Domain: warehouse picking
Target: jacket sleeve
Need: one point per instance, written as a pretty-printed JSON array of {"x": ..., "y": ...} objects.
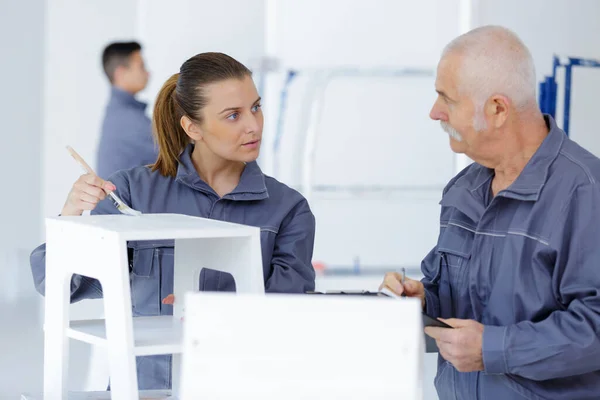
[
  {"x": 82, "y": 287},
  {"x": 292, "y": 270},
  {"x": 566, "y": 342}
]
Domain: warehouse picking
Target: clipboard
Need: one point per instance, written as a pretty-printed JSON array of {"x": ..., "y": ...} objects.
[{"x": 430, "y": 346}]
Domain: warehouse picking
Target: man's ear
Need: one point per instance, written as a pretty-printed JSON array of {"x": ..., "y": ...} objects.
[
  {"x": 118, "y": 74},
  {"x": 496, "y": 109},
  {"x": 191, "y": 128}
]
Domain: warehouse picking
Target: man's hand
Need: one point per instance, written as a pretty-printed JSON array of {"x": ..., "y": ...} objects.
[
  {"x": 461, "y": 346},
  {"x": 411, "y": 288}
]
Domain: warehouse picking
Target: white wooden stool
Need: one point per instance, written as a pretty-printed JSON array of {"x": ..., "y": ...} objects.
[{"x": 96, "y": 247}]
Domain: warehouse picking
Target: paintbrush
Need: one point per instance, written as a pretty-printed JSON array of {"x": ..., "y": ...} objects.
[{"x": 121, "y": 206}]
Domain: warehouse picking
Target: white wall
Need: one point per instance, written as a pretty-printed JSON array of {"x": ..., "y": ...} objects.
[
  {"x": 20, "y": 113},
  {"x": 315, "y": 33},
  {"x": 174, "y": 31},
  {"x": 21, "y": 73},
  {"x": 583, "y": 125}
]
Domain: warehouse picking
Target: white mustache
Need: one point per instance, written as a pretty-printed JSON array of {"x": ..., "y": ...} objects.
[{"x": 451, "y": 131}]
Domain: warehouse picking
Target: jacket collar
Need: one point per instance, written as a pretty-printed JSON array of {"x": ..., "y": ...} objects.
[
  {"x": 251, "y": 186},
  {"x": 468, "y": 191},
  {"x": 121, "y": 97}
]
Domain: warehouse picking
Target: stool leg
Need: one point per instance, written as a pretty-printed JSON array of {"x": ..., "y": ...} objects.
[
  {"x": 119, "y": 325},
  {"x": 176, "y": 375},
  {"x": 186, "y": 279},
  {"x": 56, "y": 342}
]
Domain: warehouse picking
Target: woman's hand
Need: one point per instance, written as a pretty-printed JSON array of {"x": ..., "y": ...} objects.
[
  {"x": 170, "y": 299},
  {"x": 85, "y": 194}
]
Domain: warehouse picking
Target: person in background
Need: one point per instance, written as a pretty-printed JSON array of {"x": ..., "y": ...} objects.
[
  {"x": 126, "y": 137},
  {"x": 516, "y": 268},
  {"x": 208, "y": 123}
]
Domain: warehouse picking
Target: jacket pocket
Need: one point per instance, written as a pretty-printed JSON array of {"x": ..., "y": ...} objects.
[
  {"x": 454, "y": 248},
  {"x": 146, "y": 276},
  {"x": 456, "y": 243}
]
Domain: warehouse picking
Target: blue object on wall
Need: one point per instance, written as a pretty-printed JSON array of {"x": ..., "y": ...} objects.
[{"x": 548, "y": 87}]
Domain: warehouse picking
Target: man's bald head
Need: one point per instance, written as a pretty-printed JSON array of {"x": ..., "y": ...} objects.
[{"x": 493, "y": 60}]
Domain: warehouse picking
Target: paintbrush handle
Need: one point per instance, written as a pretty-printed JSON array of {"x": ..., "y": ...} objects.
[{"x": 81, "y": 161}]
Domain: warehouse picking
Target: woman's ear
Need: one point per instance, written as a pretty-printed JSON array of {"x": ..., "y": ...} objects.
[{"x": 191, "y": 128}]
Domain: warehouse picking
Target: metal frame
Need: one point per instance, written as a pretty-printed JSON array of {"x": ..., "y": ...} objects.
[
  {"x": 314, "y": 101},
  {"x": 549, "y": 88}
]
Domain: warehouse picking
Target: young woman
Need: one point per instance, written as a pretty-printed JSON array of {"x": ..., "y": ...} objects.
[{"x": 208, "y": 124}]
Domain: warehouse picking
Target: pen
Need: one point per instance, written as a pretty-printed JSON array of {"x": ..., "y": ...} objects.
[{"x": 403, "y": 279}]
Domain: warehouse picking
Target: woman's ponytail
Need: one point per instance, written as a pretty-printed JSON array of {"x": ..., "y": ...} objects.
[{"x": 168, "y": 133}]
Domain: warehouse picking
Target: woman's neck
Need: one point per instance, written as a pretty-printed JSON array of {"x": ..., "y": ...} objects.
[{"x": 220, "y": 174}]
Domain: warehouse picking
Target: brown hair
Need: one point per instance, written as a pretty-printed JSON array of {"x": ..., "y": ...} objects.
[
  {"x": 183, "y": 94},
  {"x": 117, "y": 54}
]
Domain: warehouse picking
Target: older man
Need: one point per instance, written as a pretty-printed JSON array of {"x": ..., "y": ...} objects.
[{"x": 516, "y": 269}]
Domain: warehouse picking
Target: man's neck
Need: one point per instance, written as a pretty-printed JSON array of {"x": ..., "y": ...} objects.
[
  {"x": 124, "y": 89},
  {"x": 520, "y": 142}
]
